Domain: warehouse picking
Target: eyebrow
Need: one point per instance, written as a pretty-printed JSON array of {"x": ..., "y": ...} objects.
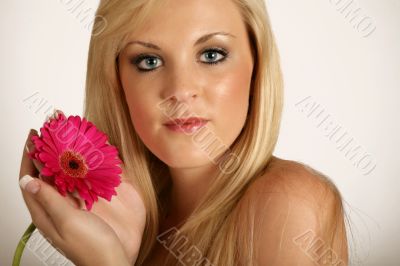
[{"x": 202, "y": 39}]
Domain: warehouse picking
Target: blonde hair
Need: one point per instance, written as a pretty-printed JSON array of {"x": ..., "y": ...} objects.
[{"x": 213, "y": 226}]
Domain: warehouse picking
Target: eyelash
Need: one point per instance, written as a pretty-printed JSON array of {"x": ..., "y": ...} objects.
[{"x": 138, "y": 59}]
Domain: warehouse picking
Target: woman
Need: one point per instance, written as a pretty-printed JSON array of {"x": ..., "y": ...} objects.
[{"x": 203, "y": 190}]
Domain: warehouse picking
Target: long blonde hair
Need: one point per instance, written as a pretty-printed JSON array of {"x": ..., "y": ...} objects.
[{"x": 213, "y": 227}]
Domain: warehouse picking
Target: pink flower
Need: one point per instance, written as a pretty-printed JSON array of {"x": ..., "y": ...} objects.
[{"x": 76, "y": 157}]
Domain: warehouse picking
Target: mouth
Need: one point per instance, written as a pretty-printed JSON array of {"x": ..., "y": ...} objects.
[{"x": 186, "y": 125}]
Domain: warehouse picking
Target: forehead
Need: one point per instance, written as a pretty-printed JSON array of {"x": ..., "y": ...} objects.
[{"x": 188, "y": 19}]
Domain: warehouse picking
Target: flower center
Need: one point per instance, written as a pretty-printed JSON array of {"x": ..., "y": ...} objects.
[{"x": 73, "y": 164}]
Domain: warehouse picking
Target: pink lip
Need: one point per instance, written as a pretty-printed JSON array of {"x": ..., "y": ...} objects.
[{"x": 187, "y": 125}]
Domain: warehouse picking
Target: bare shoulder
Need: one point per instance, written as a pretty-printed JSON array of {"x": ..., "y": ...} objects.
[
  {"x": 295, "y": 205},
  {"x": 297, "y": 181}
]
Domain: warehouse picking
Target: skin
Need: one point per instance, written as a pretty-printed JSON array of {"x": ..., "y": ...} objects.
[
  {"x": 123, "y": 218},
  {"x": 288, "y": 197},
  {"x": 218, "y": 92},
  {"x": 69, "y": 229}
]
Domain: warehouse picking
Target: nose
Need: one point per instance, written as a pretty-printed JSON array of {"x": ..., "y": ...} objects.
[{"x": 181, "y": 86}]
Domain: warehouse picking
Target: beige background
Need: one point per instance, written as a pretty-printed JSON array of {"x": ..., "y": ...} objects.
[{"x": 327, "y": 61}]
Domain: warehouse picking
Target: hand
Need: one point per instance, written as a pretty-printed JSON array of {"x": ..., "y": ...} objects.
[
  {"x": 75, "y": 232},
  {"x": 125, "y": 213}
]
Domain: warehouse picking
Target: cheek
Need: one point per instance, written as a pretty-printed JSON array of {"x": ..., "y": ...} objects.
[
  {"x": 141, "y": 106},
  {"x": 140, "y": 102},
  {"x": 231, "y": 104},
  {"x": 143, "y": 114}
]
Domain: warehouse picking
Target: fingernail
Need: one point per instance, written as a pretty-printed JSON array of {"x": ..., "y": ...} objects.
[
  {"x": 29, "y": 184},
  {"x": 54, "y": 114},
  {"x": 50, "y": 116},
  {"x": 57, "y": 113},
  {"x": 27, "y": 148},
  {"x": 31, "y": 133}
]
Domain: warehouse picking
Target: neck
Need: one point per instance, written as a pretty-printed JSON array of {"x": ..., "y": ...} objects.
[{"x": 188, "y": 187}]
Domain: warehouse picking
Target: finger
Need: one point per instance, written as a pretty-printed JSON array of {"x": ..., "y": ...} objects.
[
  {"x": 53, "y": 115},
  {"x": 47, "y": 179},
  {"x": 58, "y": 112},
  {"x": 57, "y": 206},
  {"x": 39, "y": 216},
  {"x": 31, "y": 147},
  {"x": 75, "y": 201},
  {"x": 27, "y": 167},
  {"x": 38, "y": 165},
  {"x": 53, "y": 203},
  {"x": 80, "y": 202}
]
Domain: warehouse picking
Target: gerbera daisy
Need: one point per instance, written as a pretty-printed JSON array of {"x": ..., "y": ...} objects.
[{"x": 77, "y": 158}]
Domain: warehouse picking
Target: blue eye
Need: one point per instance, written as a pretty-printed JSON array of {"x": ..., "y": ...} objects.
[
  {"x": 213, "y": 53},
  {"x": 147, "y": 63}
]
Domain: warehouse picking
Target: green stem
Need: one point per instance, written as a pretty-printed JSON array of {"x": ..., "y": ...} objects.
[{"x": 21, "y": 245}]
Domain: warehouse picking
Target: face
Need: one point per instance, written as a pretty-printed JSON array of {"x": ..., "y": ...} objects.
[{"x": 206, "y": 77}]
